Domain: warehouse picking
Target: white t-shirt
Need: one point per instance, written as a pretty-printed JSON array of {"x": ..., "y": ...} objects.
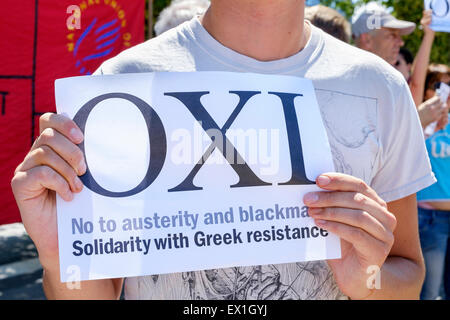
[{"x": 372, "y": 126}]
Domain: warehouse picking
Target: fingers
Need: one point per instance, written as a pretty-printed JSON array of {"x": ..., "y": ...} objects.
[
  {"x": 354, "y": 212},
  {"x": 430, "y": 111},
  {"x": 46, "y": 156},
  {"x": 426, "y": 21},
  {"x": 62, "y": 124},
  {"x": 352, "y": 200},
  {"x": 442, "y": 122},
  {"x": 435, "y": 102},
  {"x": 65, "y": 148},
  {"x": 427, "y": 17},
  {"x": 334, "y": 181},
  {"x": 432, "y": 103},
  {"x": 349, "y": 192},
  {"x": 361, "y": 240},
  {"x": 56, "y": 154},
  {"x": 38, "y": 178},
  {"x": 427, "y": 13},
  {"x": 355, "y": 218}
]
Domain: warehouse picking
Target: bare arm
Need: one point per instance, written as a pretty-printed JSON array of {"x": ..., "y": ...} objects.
[
  {"x": 403, "y": 272},
  {"x": 374, "y": 236},
  {"x": 107, "y": 289},
  {"x": 422, "y": 60},
  {"x": 53, "y": 166}
]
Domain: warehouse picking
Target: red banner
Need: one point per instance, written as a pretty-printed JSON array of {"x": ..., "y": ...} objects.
[{"x": 40, "y": 41}]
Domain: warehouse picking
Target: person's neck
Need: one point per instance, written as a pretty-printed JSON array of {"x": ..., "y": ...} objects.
[{"x": 265, "y": 30}]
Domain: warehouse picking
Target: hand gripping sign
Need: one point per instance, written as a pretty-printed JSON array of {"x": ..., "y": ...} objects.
[{"x": 192, "y": 171}]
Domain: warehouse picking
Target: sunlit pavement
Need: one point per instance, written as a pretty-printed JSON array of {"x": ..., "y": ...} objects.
[{"x": 20, "y": 270}]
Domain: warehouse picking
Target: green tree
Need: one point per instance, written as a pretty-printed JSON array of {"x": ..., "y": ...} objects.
[
  {"x": 347, "y": 7},
  {"x": 410, "y": 10},
  {"x": 158, "y": 6}
]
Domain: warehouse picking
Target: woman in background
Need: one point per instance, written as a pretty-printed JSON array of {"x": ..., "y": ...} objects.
[{"x": 434, "y": 201}]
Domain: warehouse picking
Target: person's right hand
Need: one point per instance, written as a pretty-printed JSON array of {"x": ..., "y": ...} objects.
[
  {"x": 51, "y": 166},
  {"x": 430, "y": 111},
  {"x": 443, "y": 121}
]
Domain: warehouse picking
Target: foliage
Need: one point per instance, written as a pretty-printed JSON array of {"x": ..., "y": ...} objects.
[
  {"x": 347, "y": 7},
  {"x": 410, "y": 10},
  {"x": 158, "y": 6},
  {"x": 413, "y": 12}
]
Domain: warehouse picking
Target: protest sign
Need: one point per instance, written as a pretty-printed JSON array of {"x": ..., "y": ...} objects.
[
  {"x": 192, "y": 171},
  {"x": 441, "y": 14}
]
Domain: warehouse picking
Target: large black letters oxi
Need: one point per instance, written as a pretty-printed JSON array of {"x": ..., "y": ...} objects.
[
  {"x": 295, "y": 142},
  {"x": 191, "y": 100},
  {"x": 156, "y": 136},
  {"x": 158, "y": 143}
]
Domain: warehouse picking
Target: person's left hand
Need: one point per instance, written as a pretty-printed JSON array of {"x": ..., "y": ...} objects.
[
  {"x": 354, "y": 212},
  {"x": 426, "y": 21}
]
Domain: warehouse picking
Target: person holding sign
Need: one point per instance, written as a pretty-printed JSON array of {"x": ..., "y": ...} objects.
[
  {"x": 416, "y": 79},
  {"x": 434, "y": 201},
  {"x": 370, "y": 120}
]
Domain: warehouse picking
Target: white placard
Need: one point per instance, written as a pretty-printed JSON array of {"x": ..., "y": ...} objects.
[
  {"x": 151, "y": 205},
  {"x": 441, "y": 14},
  {"x": 443, "y": 92}
]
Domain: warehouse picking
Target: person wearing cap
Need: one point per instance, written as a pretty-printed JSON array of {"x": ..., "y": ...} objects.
[
  {"x": 369, "y": 201},
  {"x": 379, "y": 32}
]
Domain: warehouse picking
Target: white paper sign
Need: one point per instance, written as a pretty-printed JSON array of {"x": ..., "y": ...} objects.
[
  {"x": 151, "y": 205},
  {"x": 443, "y": 92},
  {"x": 441, "y": 14}
]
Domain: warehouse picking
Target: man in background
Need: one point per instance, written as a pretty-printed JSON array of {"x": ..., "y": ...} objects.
[{"x": 377, "y": 31}]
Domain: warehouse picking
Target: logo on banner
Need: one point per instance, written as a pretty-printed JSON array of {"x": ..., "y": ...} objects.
[{"x": 97, "y": 38}]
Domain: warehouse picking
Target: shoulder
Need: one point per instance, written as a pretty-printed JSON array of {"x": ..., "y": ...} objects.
[
  {"x": 156, "y": 54},
  {"x": 367, "y": 71}
]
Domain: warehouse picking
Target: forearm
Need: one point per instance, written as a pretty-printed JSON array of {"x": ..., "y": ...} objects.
[
  {"x": 419, "y": 69},
  {"x": 105, "y": 289},
  {"x": 401, "y": 279}
]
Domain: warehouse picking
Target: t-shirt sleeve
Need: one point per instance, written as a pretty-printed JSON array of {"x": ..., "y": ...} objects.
[{"x": 403, "y": 166}]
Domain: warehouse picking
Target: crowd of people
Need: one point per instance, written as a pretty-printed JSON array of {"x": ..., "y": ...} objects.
[
  {"x": 424, "y": 79},
  {"x": 411, "y": 107}
]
